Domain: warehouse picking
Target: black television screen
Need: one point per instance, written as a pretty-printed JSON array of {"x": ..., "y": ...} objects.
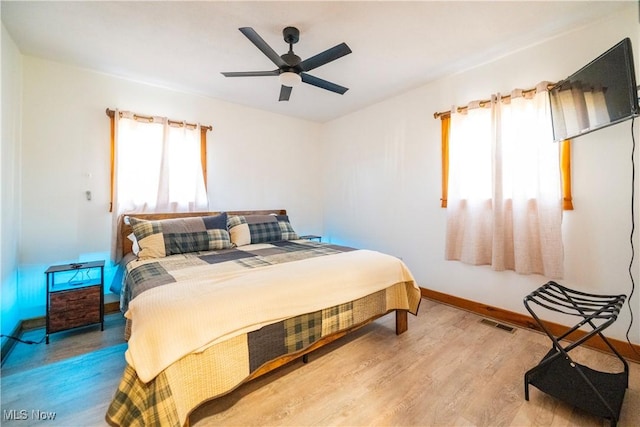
[{"x": 600, "y": 94}]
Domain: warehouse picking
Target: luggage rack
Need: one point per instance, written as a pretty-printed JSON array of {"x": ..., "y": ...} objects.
[{"x": 600, "y": 393}]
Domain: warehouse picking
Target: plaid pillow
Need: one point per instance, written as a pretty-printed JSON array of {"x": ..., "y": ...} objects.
[
  {"x": 286, "y": 228},
  {"x": 166, "y": 237},
  {"x": 259, "y": 229}
]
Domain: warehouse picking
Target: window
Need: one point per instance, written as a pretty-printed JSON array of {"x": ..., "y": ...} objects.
[
  {"x": 157, "y": 165},
  {"x": 502, "y": 184}
]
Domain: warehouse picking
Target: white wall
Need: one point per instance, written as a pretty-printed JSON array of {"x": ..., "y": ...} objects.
[
  {"x": 382, "y": 179},
  {"x": 256, "y": 160},
  {"x": 378, "y": 185},
  {"x": 10, "y": 183}
]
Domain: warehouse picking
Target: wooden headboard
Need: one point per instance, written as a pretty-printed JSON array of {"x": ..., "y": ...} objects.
[{"x": 125, "y": 229}]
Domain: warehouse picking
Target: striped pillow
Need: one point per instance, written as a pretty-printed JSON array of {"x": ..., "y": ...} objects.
[{"x": 166, "y": 237}]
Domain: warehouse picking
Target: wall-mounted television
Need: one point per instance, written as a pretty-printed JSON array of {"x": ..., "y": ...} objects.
[{"x": 600, "y": 94}]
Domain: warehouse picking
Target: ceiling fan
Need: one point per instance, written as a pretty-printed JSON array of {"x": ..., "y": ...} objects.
[{"x": 291, "y": 69}]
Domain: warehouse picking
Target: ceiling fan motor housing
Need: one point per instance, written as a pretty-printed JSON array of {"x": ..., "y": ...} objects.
[{"x": 292, "y": 60}]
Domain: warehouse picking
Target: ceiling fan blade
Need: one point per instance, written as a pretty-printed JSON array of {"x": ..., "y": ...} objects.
[
  {"x": 323, "y": 84},
  {"x": 263, "y": 46},
  {"x": 251, "y": 73},
  {"x": 285, "y": 93},
  {"x": 324, "y": 57}
]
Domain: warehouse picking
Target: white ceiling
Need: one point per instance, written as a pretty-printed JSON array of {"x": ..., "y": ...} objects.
[{"x": 185, "y": 45}]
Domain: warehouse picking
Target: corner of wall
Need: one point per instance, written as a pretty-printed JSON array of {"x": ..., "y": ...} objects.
[{"x": 10, "y": 199}]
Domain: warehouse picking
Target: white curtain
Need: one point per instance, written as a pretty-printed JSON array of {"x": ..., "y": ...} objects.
[
  {"x": 505, "y": 201},
  {"x": 157, "y": 168}
]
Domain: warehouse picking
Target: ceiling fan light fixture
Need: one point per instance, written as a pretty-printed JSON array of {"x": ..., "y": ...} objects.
[{"x": 289, "y": 78}]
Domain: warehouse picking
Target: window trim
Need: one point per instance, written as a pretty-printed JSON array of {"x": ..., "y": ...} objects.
[{"x": 445, "y": 127}]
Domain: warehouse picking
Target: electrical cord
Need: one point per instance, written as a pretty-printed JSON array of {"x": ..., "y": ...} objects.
[
  {"x": 84, "y": 273},
  {"x": 23, "y": 341},
  {"x": 633, "y": 226}
]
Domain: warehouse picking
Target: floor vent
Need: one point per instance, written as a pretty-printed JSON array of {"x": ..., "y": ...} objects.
[{"x": 497, "y": 325}]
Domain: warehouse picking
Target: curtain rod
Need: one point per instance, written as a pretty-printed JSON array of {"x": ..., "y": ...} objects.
[
  {"x": 111, "y": 113},
  {"x": 485, "y": 102}
]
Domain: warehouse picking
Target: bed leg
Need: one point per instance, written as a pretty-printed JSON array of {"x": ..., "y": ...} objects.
[{"x": 402, "y": 323}]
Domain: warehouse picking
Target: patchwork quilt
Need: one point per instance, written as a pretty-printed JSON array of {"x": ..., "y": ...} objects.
[
  {"x": 169, "y": 398},
  {"x": 167, "y": 392}
]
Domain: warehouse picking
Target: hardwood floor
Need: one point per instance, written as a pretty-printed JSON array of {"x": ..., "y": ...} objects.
[
  {"x": 448, "y": 369},
  {"x": 73, "y": 377},
  {"x": 63, "y": 345}
]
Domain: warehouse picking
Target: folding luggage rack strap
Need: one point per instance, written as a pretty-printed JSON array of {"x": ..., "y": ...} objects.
[{"x": 600, "y": 393}]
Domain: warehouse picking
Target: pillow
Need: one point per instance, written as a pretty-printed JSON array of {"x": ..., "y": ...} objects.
[
  {"x": 246, "y": 229},
  {"x": 161, "y": 238},
  {"x": 286, "y": 228}
]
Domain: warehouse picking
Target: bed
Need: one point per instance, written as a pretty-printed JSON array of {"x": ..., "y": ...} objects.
[{"x": 215, "y": 299}]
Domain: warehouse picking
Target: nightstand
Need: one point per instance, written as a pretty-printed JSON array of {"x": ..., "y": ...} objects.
[
  {"x": 311, "y": 237},
  {"x": 75, "y": 296}
]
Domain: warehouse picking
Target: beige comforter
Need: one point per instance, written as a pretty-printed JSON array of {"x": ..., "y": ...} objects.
[{"x": 257, "y": 297}]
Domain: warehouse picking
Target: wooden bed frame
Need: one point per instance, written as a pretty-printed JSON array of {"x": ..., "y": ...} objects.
[{"x": 401, "y": 315}]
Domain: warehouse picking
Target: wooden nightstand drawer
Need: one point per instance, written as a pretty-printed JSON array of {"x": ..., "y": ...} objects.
[
  {"x": 72, "y": 308},
  {"x": 75, "y": 296}
]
